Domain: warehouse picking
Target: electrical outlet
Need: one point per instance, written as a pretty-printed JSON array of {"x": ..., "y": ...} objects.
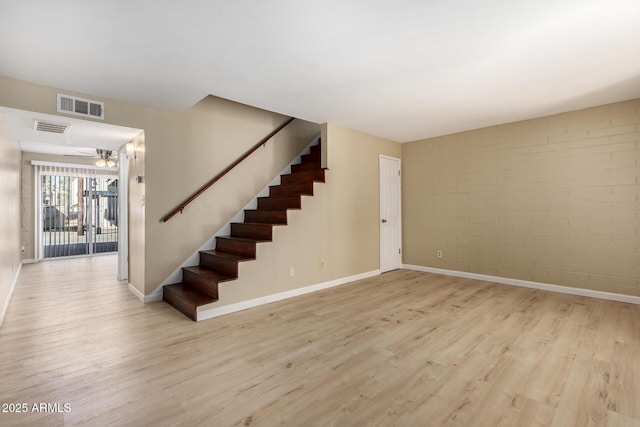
[
  {"x": 439, "y": 253},
  {"x": 322, "y": 265},
  {"x": 291, "y": 272}
]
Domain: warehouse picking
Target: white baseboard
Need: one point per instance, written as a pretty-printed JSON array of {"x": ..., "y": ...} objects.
[
  {"x": 136, "y": 292},
  {"x": 5, "y": 306},
  {"x": 155, "y": 296},
  {"x": 30, "y": 261},
  {"x": 528, "y": 284},
  {"x": 232, "y": 308}
]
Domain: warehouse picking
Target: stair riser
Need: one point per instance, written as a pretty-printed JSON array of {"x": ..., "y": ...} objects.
[
  {"x": 294, "y": 189},
  {"x": 311, "y": 175},
  {"x": 206, "y": 286},
  {"x": 279, "y": 203},
  {"x": 226, "y": 266},
  {"x": 184, "y": 307},
  {"x": 247, "y": 249},
  {"x": 252, "y": 231},
  {"x": 267, "y": 217},
  {"x": 313, "y": 156},
  {"x": 305, "y": 167}
]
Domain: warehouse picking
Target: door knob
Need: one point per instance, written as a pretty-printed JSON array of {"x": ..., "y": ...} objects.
[{"x": 384, "y": 221}]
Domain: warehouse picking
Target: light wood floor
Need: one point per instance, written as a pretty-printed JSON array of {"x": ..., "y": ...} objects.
[{"x": 402, "y": 349}]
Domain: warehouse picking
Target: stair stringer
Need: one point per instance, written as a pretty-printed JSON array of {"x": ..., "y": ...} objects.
[
  {"x": 266, "y": 261},
  {"x": 225, "y": 230}
]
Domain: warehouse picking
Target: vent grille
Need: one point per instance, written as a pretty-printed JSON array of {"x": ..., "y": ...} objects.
[
  {"x": 41, "y": 126},
  {"x": 66, "y": 104},
  {"x": 95, "y": 110},
  {"x": 80, "y": 106}
]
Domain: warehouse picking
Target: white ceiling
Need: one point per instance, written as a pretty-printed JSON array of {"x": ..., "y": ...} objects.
[
  {"x": 404, "y": 69},
  {"x": 81, "y": 138}
]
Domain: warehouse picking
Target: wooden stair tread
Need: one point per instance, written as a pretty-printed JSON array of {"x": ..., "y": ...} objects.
[
  {"x": 288, "y": 197},
  {"x": 292, "y": 188},
  {"x": 252, "y": 230},
  {"x": 291, "y": 201},
  {"x": 228, "y": 255},
  {"x": 306, "y": 171},
  {"x": 289, "y": 209},
  {"x": 267, "y": 216},
  {"x": 315, "y": 175},
  {"x": 244, "y": 239},
  {"x": 266, "y": 211},
  {"x": 186, "y": 299},
  {"x": 190, "y": 294},
  {"x": 305, "y": 166},
  {"x": 259, "y": 224},
  {"x": 209, "y": 274}
]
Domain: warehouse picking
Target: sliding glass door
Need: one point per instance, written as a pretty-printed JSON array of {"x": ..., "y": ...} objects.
[{"x": 79, "y": 213}]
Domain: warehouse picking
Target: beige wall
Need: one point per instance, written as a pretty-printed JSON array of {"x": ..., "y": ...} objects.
[
  {"x": 335, "y": 235},
  {"x": 27, "y": 229},
  {"x": 553, "y": 200},
  {"x": 136, "y": 211},
  {"x": 215, "y": 132},
  {"x": 182, "y": 151},
  {"x": 9, "y": 215},
  {"x": 160, "y": 125}
]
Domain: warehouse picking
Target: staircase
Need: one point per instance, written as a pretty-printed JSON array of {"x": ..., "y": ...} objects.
[{"x": 199, "y": 284}]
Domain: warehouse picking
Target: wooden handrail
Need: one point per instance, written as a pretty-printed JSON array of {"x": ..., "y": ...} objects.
[{"x": 216, "y": 178}]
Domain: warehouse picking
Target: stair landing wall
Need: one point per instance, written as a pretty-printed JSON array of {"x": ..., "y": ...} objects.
[
  {"x": 216, "y": 132},
  {"x": 333, "y": 236}
]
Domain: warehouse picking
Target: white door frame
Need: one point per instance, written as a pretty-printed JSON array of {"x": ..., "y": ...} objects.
[
  {"x": 397, "y": 262},
  {"x": 123, "y": 215},
  {"x": 38, "y": 252},
  {"x": 38, "y": 241}
]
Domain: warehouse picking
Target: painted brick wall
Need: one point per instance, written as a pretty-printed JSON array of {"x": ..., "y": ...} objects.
[{"x": 552, "y": 200}]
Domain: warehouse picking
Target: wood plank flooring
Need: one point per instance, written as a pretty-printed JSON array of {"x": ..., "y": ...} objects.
[{"x": 401, "y": 349}]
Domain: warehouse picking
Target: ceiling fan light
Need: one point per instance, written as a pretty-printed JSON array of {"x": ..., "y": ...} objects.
[
  {"x": 101, "y": 163},
  {"x": 111, "y": 163}
]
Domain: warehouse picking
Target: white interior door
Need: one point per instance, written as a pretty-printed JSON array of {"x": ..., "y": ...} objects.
[{"x": 390, "y": 214}]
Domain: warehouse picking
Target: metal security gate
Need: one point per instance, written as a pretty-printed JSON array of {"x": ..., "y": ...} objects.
[{"x": 79, "y": 214}]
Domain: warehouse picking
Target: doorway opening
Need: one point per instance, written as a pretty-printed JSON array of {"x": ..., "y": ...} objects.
[
  {"x": 82, "y": 212},
  {"x": 79, "y": 214},
  {"x": 76, "y": 210}
]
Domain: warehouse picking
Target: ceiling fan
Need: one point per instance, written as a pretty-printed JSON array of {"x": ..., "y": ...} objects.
[{"x": 106, "y": 158}]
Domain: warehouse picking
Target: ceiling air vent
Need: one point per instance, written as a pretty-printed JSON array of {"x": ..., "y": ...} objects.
[
  {"x": 80, "y": 107},
  {"x": 42, "y": 126}
]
